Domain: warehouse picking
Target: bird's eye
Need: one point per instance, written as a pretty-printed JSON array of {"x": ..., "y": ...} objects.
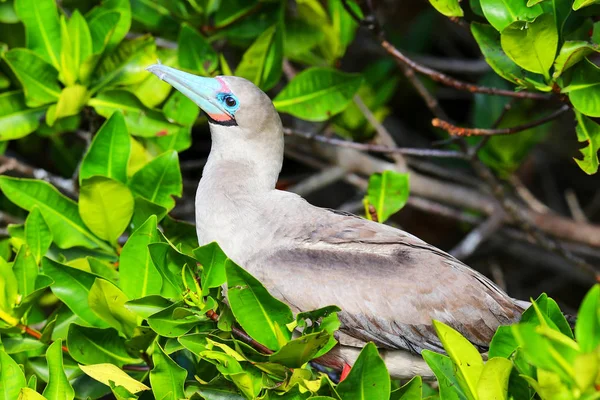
[{"x": 230, "y": 101}]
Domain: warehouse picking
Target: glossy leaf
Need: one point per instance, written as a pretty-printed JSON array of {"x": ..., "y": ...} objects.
[
  {"x": 30, "y": 394},
  {"x": 583, "y": 3},
  {"x": 388, "y": 193},
  {"x": 72, "y": 286},
  {"x": 587, "y": 328},
  {"x": 532, "y": 45},
  {"x": 88, "y": 345},
  {"x": 175, "y": 320},
  {"x": 444, "y": 371},
  {"x": 42, "y": 27},
  {"x": 181, "y": 110},
  {"x": 71, "y": 101},
  {"x": 106, "y": 207},
  {"x": 450, "y": 8},
  {"x": 108, "y": 373},
  {"x": 147, "y": 306},
  {"x": 583, "y": 90},
  {"x": 39, "y": 79},
  {"x": 463, "y": 354},
  {"x": 262, "y": 62},
  {"x": 12, "y": 378},
  {"x": 108, "y": 154},
  {"x": 141, "y": 121},
  {"x": 159, "y": 180},
  {"x": 343, "y": 25},
  {"x": 261, "y": 315},
  {"x": 58, "y": 387},
  {"x": 108, "y": 302},
  {"x": 118, "y": 29},
  {"x": 317, "y": 94},
  {"x": 195, "y": 52},
  {"x": 37, "y": 234},
  {"x": 570, "y": 54},
  {"x": 139, "y": 276},
  {"x": 297, "y": 352},
  {"x": 501, "y": 13},
  {"x": 60, "y": 212},
  {"x": 493, "y": 382},
  {"x": 26, "y": 270},
  {"x": 213, "y": 261},
  {"x": 410, "y": 391},
  {"x": 232, "y": 10},
  {"x": 76, "y": 46},
  {"x": 167, "y": 378},
  {"x": 368, "y": 378},
  {"x": 588, "y": 132},
  {"x": 16, "y": 118}
]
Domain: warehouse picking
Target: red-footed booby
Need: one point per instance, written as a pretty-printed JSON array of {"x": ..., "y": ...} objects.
[{"x": 389, "y": 284}]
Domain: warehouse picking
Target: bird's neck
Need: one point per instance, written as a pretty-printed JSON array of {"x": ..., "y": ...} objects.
[{"x": 241, "y": 163}]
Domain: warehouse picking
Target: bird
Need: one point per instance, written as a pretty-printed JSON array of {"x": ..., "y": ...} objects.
[{"x": 389, "y": 284}]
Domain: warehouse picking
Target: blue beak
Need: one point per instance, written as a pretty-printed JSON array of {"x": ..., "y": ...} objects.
[{"x": 202, "y": 91}]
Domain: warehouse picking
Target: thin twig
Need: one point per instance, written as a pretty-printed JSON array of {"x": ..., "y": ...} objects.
[
  {"x": 574, "y": 206},
  {"x": 461, "y": 131},
  {"x": 241, "y": 335},
  {"x": 318, "y": 181},
  {"x": 478, "y": 235},
  {"x": 376, "y": 148}
]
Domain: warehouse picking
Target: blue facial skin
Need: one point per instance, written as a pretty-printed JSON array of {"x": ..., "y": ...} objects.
[{"x": 207, "y": 93}]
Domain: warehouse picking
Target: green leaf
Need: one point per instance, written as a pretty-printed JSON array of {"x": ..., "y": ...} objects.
[
  {"x": 106, "y": 207},
  {"x": 300, "y": 37},
  {"x": 175, "y": 321},
  {"x": 26, "y": 270},
  {"x": 463, "y": 354},
  {"x": 231, "y": 10},
  {"x": 262, "y": 62},
  {"x": 570, "y": 54},
  {"x": 126, "y": 65},
  {"x": 584, "y": 3},
  {"x": 141, "y": 121},
  {"x": 388, "y": 193},
  {"x": 108, "y": 154},
  {"x": 143, "y": 210},
  {"x": 30, "y": 394},
  {"x": 587, "y": 327},
  {"x": 71, "y": 101},
  {"x": 148, "y": 305},
  {"x": 118, "y": 29},
  {"x": 159, "y": 180},
  {"x": 444, "y": 371},
  {"x": 166, "y": 378},
  {"x": 299, "y": 351},
  {"x": 139, "y": 276},
  {"x": 493, "y": 382},
  {"x": 40, "y": 18},
  {"x": 72, "y": 286},
  {"x": 195, "y": 52},
  {"x": 39, "y": 79},
  {"x": 181, "y": 110},
  {"x": 588, "y": 132},
  {"x": 108, "y": 302},
  {"x": 88, "y": 345},
  {"x": 583, "y": 90},
  {"x": 60, "y": 212},
  {"x": 261, "y": 315},
  {"x": 450, "y": 8},
  {"x": 316, "y": 94},
  {"x": 151, "y": 91},
  {"x": 76, "y": 47},
  {"x": 213, "y": 261},
  {"x": 344, "y": 26},
  {"x": 169, "y": 262},
  {"x": 410, "y": 391},
  {"x": 368, "y": 378},
  {"x": 488, "y": 40},
  {"x": 37, "y": 234},
  {"x": 108, "y": 373},
  {"x": 58, "y": 387},
  {"x": 501, "y": 13},
  {"x": 12, "y": 378},
  {"x": 532, "y": 45},
  {"x": 16, "y": 119}
]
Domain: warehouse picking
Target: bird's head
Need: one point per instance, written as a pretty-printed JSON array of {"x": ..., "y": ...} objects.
[{"x": 228, "y": 101}]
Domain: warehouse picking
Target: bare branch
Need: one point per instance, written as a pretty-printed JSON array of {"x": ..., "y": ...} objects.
[
  {"x": 478, "y": 235},
  {"x": 12, "y": 164},
  {"x": 461, "y": 131}
]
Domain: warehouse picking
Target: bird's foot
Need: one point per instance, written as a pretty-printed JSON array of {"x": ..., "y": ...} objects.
[{"x": 345, "y": 371}]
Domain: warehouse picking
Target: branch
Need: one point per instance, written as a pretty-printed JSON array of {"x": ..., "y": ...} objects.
[
  {"x": 375, "y": 148},
  {"x": 243, "y": 336},
  {"x": 12, "y": 164},
  {"x": 370, "y": 22},
  {"x": 477, "y": 236},
  {"x": 461, "y": 131}
]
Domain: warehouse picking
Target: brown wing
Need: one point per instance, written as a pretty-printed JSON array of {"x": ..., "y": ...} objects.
[{"x": 389, "y": 284}]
